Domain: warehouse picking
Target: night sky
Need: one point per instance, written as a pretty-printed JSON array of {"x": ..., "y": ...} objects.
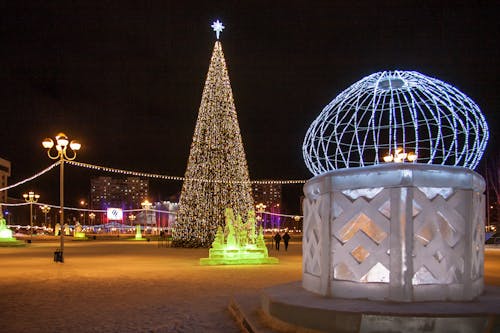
[{"x": 126, "y": 77}]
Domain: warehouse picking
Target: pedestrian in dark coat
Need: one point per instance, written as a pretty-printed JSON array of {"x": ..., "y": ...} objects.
[
  {"x": 286, "y": 239},
  {"x": 277, "y": 240}
]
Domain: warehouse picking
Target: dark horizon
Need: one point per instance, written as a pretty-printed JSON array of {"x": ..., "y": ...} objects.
[{"x": 126, "y": 79}]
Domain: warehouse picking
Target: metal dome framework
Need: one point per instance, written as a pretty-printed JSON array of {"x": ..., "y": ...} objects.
[{"x": 396, "y": 111}]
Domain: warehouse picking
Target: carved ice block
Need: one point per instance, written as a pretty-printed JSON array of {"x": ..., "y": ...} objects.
[{"x": 398, "y": 231}]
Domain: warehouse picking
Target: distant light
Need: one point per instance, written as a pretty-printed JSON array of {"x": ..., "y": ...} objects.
[
  {"x": 388, "y": 158},
  {"x": 62, "y": 140},
  {"x": 412, "y": 157},
  {"x": 75, "y": 145},
  {"x": 47, "y": 143}
]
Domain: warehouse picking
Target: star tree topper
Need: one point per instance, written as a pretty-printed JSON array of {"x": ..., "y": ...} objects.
[{"x": 218, "y": 27}]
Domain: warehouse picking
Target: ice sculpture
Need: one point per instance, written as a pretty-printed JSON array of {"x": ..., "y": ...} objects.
[
  {"x": 238, "y": 243},
  {"x": 6, "y": 238},
  {"x": 78, "y": 234},
  {"x": 138, "y": 234}
]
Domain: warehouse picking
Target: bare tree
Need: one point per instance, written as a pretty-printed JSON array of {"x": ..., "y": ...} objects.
[{"x": 493, "y": 183}]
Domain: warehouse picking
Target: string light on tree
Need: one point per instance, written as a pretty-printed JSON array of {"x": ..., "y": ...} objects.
[{"x": 217, "y": 154}]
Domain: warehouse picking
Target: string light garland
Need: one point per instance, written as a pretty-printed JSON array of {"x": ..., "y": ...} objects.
[
  {"x": 282, "y": 215},
  {"x": 86, "y": 210},
  {"x": 177, "y": 178},
  {"x": 141, "y": 174},
  {"x": 31, "y": 178},
  {"x": 152, "y": 175},
  {"x": 124, "y": 172},
  {"x": 14, "y": 204}
]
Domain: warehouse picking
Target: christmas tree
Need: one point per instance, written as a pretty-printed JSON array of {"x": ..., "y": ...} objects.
[{"x": 216, "y": 176}]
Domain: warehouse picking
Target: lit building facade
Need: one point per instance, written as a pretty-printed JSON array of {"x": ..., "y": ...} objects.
[
  {"x": 4, "y": 174},
  {"x": 269, "y": 195},
  {"x": 166, "y": 220},
  {"x": 125, "y": 193},
  {"x": 160, "y": 217}
]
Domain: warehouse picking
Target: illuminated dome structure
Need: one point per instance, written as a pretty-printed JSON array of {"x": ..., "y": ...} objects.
[
  {"x": 389, "y": 238},
  {"x": 400, "y": 116}
]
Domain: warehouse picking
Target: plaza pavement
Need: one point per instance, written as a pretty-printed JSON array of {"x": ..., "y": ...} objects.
[{"x": 127, "y": 286}]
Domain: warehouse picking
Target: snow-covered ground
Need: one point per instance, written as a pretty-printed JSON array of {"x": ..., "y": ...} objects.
[{"x": 126, "y": 286}]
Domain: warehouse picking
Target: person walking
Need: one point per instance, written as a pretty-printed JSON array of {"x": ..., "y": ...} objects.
[
  {"x": 277, "y": 240},
  {"x": 286, "y": 239}
]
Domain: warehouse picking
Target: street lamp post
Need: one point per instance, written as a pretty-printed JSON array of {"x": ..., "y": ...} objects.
[
  {"x": 83, "y": 203},
  {"x": 260, "y": 209},
  {"x": 131, "y": 218},
  {"x": 62, "y": 154},
  {"x": 45, "y": 209},
  {"x": 31, "y": 197},
  {"x": 146, "y": 205},
  {"x": 297, "y": 219},
  {"x": 92, "y": 217}
]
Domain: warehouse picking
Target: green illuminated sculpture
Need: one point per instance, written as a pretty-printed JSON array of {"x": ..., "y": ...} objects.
[
  {"x": 78, "y": 234},
  {"x": 6, "y": 238},
  {"x": 57, "y": 229},
  {"x": 138, "y": 234},
  {"x": 239, "y": 243}
]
